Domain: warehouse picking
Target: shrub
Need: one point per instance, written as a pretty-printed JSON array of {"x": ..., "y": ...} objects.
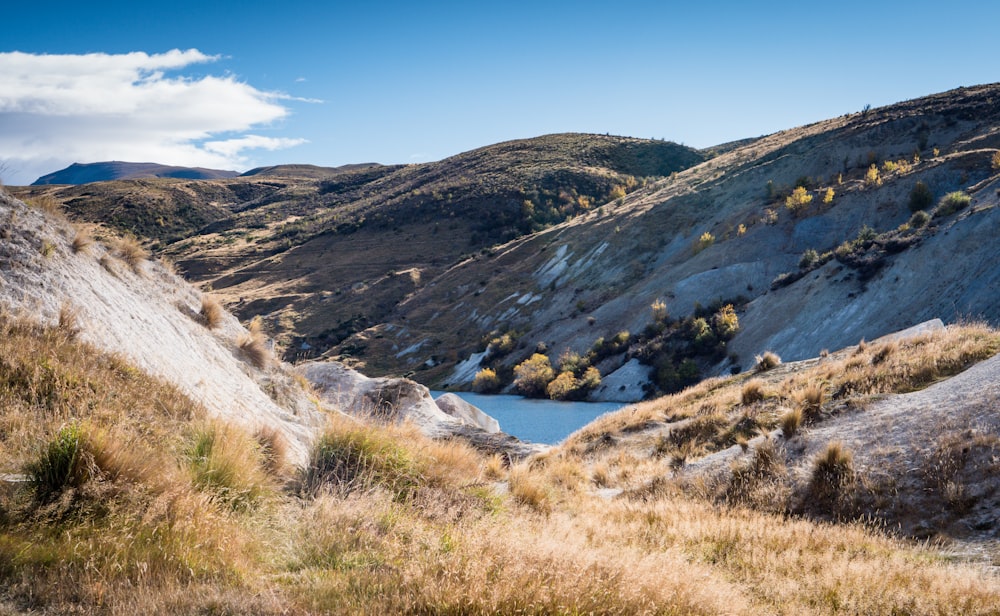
[
  {"x": 211, "y": 312},
  {"x": 872, "y": 177},
  {"x": 753, "y": 391},
  {"x": 809, "y": 257},
  {"x": 486, "y": 381},
  {"x": 562, "y": 386},
  {"x": 921, "y": 197},
  {"x": 828, "y": 196},
  {"x": 590, "y": 380},
  {"x": 798, "y": 200},
  {"x": 62, "y": 464},
  {"x": 952, "y": 202},
  {"x": 767, "y": 361},
  {"x": 725, "y": 322},
  {"x": 704, "y": 241},
  {"x": 919, "y": 219},
  {"x": 533, "y": 375},
  {"x": 659, "y": 308}
]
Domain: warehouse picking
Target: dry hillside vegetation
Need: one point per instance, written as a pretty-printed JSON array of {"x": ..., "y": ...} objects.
[
  {"x": 325, "y": 253},
  {"x": 565, "y": 240},
  {"x": 134, "y": 502},
  {"x": 858, "y": 265},
  {"x": 768, "y": 439}
]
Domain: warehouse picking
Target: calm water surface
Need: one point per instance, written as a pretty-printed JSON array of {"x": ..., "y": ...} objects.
[{"x": 538, "y": 421}]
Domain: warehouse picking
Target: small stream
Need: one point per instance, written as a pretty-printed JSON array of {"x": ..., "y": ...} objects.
[{"x": 538, "y": 421}]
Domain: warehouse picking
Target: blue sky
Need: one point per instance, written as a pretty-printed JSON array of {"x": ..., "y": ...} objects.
[{"x": 256, "y": 83}]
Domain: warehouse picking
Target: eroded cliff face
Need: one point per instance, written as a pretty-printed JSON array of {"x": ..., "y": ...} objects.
[{"x": 150, "y": 316}]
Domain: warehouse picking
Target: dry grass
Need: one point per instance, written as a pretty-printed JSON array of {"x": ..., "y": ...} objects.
[
  {"x": 211, "y": 312},
  {"x": 130, "y": 251},
  {"x": 48, "y": 204},
  {"x": 831, "y": 481},
  {"x": 767, "y": 361},
  {"x": 163, "y": 522},
  {"x": 790, "y": 422},
  {"x": 82, "y": 241},
  {"x": 254, "y": 344},
  {"x": 753, "y": 391},
  {"x": 273, "y": 450},
  {"x": 69, "y": 321},
  {"x": 810, "y": 400}
]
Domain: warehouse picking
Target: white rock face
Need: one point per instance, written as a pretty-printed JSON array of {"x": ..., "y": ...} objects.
[
  {"x": 151, "y": 318},
  {"x": 458, "y": 408},
  {"x": 392, "y": 399},
  {"x": 624, "y": 384}
]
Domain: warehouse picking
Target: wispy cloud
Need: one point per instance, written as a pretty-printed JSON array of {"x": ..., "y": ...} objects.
[{"x": 58, "y": 109}]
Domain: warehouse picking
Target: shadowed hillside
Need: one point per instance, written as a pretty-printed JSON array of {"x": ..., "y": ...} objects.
[{"x": 325, "y": 253}]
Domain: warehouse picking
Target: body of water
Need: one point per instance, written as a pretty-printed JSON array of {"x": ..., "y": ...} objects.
[{"x": 538, "y": 421}]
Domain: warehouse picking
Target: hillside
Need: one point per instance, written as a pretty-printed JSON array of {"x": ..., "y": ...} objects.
[
  {"x": 154, "y": 459},
  {"x": 563, "y": 244},
  {"x": 823, "y": 225},
  {"x": 86, "y": 173},
  {"x": 325, "y": 253}
]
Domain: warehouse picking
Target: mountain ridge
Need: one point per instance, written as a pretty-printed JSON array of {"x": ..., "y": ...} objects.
[{"x": 86, "y": 173}]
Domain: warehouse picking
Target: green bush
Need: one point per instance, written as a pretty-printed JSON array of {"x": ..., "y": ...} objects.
[
  {"x": 921, "y": 197},
  {"x": 62, "y": 464},
  {"x": 952, "y": 202},
  {"x": 809, "y": 257},
  {"x": 919, "y": 219},
  {"x": 361, "y": 458}
]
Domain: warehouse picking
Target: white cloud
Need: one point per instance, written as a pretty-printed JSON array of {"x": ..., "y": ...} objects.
[
  {"x": 232, "y": 147},
  {"x": 59, "y": 109}
]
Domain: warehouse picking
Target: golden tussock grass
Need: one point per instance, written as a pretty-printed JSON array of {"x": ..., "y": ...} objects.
[
  {"x": 131, "y": 252},
  {"x": 767, "y": 361},
  {"x": 401, "y": 523},
  {"x": 82, "y": 241},
  {"x": 253, "y": 344},
  {"x": 791, "y": 421},
  {"x": 211, "y": 312},
  {"x": 753, "y": 391}
]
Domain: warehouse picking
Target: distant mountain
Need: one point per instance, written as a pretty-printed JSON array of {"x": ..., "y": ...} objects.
[
  {"x": 305, "y": 171},
  {"x": 79, "y": 173}
]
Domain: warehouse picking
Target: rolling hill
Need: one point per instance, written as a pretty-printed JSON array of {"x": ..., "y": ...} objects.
[{"x": 817, "y": 236}]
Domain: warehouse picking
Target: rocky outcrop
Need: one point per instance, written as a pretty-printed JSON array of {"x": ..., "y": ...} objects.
[
  {"x": 458, "y": 408},
  {"x": 148, "y": 315},
  {"x": 396, "y": 400}
]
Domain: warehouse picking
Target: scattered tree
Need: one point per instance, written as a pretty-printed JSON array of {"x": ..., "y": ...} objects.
[
  {"x": 533, "y": 375},
  {"x": 798, "y": 200}
]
